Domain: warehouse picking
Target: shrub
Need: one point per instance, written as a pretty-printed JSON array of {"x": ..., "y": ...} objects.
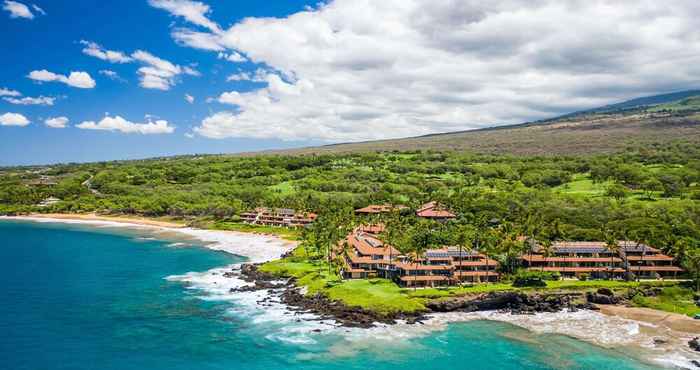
[
  {"x": 583, "y": 277},
  {"x": 530, "y": 279}
]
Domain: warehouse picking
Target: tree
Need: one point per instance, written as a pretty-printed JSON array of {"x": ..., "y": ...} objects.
[
  {"x": 613, "y": 246},
  {"x": 691, "y": 262},
  {"x": 650, "y": 186},
  {"x": 465, "y": 235},
  {"x": 617, "y": 191}
]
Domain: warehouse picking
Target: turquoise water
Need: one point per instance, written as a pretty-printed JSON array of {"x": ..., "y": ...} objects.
[{"x": 76, "y": 298}]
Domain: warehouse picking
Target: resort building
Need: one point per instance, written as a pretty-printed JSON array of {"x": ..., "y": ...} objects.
[
  {"x": 374, "y": 209},
  {"x": 366, "y": 256},
  {"x": 277, "y": 217},
  {"x": 571, "y": 259},
  {"x": 646, "y": 262},
  {"x": 435, "y": 211}
]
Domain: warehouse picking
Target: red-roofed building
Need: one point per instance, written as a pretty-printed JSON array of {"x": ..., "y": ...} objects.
[
  {"x": 435, "y": 211},
  {"x": 278, "y": 217}
]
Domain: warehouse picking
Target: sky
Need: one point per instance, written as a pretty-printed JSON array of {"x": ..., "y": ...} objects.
[{"x": 85, "y": 81}]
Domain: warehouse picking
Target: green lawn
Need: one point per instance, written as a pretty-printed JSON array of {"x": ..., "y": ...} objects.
[
  {"x": 283, "y": 188},
  {"x": 672, "y": 299},
  {"x": 282, "y": 232},
  {"x": 582, "y": 185}
]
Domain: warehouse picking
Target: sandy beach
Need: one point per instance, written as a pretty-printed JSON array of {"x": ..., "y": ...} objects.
[
  {"x": 257, "y": 247},
  {"x": 661, "y": 319}
]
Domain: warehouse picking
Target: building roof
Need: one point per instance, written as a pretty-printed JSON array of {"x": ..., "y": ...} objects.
[
  {"x": 451, "y": 252},
  {"x": 434, "y": 210},
  {"x": 539, "y": 258},
  {"x": 424, "y": 278},
  {"x": 379, "y": 208}
]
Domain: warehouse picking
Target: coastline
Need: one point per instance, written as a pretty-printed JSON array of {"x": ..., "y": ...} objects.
[
  {"x": 654, "y": 335},
  {"x": 257, "y": 247}
]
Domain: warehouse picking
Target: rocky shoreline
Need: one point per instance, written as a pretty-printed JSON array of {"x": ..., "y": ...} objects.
[{"x": 513, "y": 302}]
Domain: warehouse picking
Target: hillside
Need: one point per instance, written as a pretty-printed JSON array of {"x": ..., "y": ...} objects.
[{"x": 604, "y": 130}]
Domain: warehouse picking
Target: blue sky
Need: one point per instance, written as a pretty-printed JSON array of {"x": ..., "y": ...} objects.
[
  {"x": 52, "y": 42},
  {"x": 280, "y": 74}
]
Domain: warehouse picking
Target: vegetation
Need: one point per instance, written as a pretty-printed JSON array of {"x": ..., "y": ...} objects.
[
  {"x": 625, "y": 173},
  {"x": 676, "y": 299}
]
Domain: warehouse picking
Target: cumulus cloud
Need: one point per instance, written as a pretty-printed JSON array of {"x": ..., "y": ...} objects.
[
  {"x": 13, "y": 119},
  {"x": 9, "y": 92},
  {"x": 232, "y": 57},
  {"x": 18, "y": 10},
  {"x": 120, "y": 124},
  {"x": 56, "y": 122},
  {"x": 41, "y": 100},
  {"x": 76, "y": 79},
  {"x": 193, "y": 11},
  {"x": 159, "y": 73},
  {"x": 95, "y": 50},
  {"x": 358, "y": 70},
  {"x": 189, "y": 98}
]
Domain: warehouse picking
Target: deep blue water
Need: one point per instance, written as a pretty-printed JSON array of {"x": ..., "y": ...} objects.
[{"x": 76, "y": 298}]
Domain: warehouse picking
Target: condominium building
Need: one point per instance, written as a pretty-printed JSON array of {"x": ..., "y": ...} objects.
[{"x": 277, "y": 217}]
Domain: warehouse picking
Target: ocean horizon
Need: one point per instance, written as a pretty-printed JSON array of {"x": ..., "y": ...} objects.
[{"x": 85, "y": 297}]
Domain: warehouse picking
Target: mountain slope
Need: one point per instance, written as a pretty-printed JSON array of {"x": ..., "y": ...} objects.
[{"x": 654, "y": 119}]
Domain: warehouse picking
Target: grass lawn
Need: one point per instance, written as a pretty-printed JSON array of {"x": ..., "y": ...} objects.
[
  {"x": 582, "y": 185},
  {"x": 282, "y": 232},
  {"x": 283, "y": 188},
  {"x": 672, "y": 299}
]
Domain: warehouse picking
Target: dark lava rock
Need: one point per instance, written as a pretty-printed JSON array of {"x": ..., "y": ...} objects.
[
  {"x": 601, "y": 298},
  {"x": 605, "y": 291},
  {"x": 695, "y": 344},
  {"x": 516, "y": 303}
]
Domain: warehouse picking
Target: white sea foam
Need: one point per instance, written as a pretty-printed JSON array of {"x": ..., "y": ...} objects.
[{"x": 263, "y": 308}]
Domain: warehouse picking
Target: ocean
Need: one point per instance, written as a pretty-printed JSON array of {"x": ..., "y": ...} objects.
[{"x": 83, "y": 297}]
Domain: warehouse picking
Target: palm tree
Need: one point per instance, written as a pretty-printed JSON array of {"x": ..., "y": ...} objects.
[
  {"x": 613, "y": 246},
  {"x": 691, "y": 262},
  {"x": 421, "y": 240},
  {"x": 465, "y": 237},
  {"x": 486, "y": 244}
]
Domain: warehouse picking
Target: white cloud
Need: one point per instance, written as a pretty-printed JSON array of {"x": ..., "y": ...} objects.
[
  {"x": 111, "y": 75},
  {"x": 17, "y": 10},
  {"x": 118, "y": 123},
  {"x": 95, "y": 50},
  {"x": 41, "y": 100},
  {"x": 8, "y": 92},
  {"x": 197, "y": 40},
  {"x": 159, "y": 73},
  {"x": 232, "y": 57},
  {"x": 193, "y": 11},
  {"x": 240, "y": 76},
  {"x": 13, "y": 119},
  {"x": 38, "y": 9},
  {"x": 357, "y": 70},
  {"x": 56, "y": 122},
  {"x": 189, "y": 98},
  {"x": 76, "y": 79}
]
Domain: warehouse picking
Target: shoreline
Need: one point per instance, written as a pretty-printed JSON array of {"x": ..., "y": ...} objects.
[
  {"x": 648, "y": 325},
  {"x": 256, "y": 247}
]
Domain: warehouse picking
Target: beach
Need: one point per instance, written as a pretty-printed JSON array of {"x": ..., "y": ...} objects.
[{"x": 257, "y": 247}]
